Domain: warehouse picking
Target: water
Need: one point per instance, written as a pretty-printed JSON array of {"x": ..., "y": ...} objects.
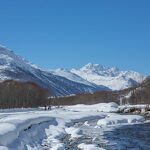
[
  {"x": 126, "y": 137},
  {"x": 135, "y": 137}
]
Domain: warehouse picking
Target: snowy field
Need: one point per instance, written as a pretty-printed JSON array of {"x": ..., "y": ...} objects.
[{"x": 37, "y": 129}]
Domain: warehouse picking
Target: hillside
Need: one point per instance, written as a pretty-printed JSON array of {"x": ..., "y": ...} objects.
[
  {"x": 139, "y": 95},
  {"x": 136, "y": 95}
]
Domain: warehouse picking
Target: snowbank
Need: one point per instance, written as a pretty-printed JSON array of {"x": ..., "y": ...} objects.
[
  {"x": 135, "y": 109},
  {"x": 120, "y": 119},
  {"x": 11, "y": 126},
  {"x": 3, "y": 148},
  {"x": 102, "y": 107}
]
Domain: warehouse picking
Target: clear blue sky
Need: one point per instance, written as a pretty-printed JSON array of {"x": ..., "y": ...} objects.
[{"x": 71, "y": 33}]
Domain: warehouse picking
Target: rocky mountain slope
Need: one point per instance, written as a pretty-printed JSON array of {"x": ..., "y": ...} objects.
[{"x": 135, "y": 95}]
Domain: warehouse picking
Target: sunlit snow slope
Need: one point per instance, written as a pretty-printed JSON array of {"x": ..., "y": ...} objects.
[{"x": 113, "y": 78}]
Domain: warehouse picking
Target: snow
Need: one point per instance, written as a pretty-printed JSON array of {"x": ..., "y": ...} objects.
[
  {"x": 101, "y": 107},
  {"x": 71, "y": 76},
  {"x": 113, "y": 78},
  {"x": 135, "y": 106},
  {"x": 120, "y": 119},
  {"x": 11, "y": 126},
  {"x": 3, "y": 148},
  {"x": 86, "y": 123},
  {"x": 128, "y": 95},
  {"x": 74, "y": 132},
  {"x": 6, "y": 127},
  {"x": 89, "y": 147},
  {"x": 39, "y": 129},
  {"x": 136, "y": 109}
]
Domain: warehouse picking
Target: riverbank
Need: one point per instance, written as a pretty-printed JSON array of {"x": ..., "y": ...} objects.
[
  {"x": 143, "y": 110},
  {"x": 36, "y": 129}
]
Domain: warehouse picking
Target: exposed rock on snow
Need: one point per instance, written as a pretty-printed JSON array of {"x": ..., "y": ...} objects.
[{"x": 135, "y": 109}]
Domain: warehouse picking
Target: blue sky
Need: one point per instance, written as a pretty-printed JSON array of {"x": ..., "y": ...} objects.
[{"x": 71, "y": 33}]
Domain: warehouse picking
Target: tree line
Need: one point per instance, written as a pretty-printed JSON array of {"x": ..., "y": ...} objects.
[
  {"x": 140, "y": 94},
  {"x": 17, "y": 94}
]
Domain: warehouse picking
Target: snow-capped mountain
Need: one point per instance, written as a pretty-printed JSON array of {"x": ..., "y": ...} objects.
[
  {"x": 112, "y": 78},
  {"x": 90, "y": 78},
  {"x": 75, "y": 78},
  {"x": 15, "y": 67}
]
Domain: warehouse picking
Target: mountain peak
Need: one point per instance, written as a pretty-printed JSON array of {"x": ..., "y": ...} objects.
[
  {"x": 94, "y": 67},
  {"x": 100, "y": 70},
  {"x": 113, "y": 78}
]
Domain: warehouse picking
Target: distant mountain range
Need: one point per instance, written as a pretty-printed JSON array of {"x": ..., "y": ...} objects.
[
  {"x": 90, "y": 78},
  {"x": 14, "y": 67},
  {"x": 112, "y": 78},
  {"x": 95, "y": 74}
]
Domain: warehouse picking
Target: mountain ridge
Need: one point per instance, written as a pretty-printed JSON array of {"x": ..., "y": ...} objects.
[
  {"x": 15, "y": 67},
  {"x": 89, "y": 78},
  {"x": 113, "y": 77}
]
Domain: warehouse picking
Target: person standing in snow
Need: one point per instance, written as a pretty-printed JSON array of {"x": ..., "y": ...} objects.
[{"x": 49, "y": 107}]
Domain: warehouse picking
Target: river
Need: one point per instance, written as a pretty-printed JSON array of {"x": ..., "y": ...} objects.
[{"x": 120, "y": 137}]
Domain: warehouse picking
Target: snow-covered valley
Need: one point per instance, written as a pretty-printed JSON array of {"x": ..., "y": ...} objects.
[
  {"x": 74, "y": 75},
  {"x": 68, "y": 127}
]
